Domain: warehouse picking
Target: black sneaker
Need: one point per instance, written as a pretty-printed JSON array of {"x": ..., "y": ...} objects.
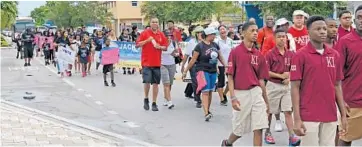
[
  {"x": 106, "y": 83},
  {"x": 146, "y": 104},
  {"x": 224, "y": 102},
  {"x": 208, "y": 117},
  {"x": 29, "y": 64},
  {"x": 154, "y": 107},
  {"x": 198, "y": 105},
  {"x": 113, "y": 84},
  {"x": 26, "y": 64},
  {"x": 225, "y": 143}
]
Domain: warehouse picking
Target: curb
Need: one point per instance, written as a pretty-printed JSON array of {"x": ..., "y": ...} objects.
[{"x": 77, "y": 124}]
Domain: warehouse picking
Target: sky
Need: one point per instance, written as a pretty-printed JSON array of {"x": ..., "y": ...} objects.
[{"x": 25, "y": 7}]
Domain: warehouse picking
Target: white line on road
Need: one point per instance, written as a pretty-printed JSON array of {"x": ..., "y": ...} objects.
[
  {"x": 80, "y": 89},
  {"x": 132, "y": 125},
  {"x": 88, "y": 95},
  {"x": 112, "y": 112},
  {"x": 98, "y": 102},
  {"x": 69, "y": 82}
]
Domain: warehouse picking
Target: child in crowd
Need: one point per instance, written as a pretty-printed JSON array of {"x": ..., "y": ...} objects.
[
  {"x": 46, "y": 50},
  {"x": 83, "y": 56},
  {"x": 108, "y": 67},
  {"x": 76, "y": 62}
]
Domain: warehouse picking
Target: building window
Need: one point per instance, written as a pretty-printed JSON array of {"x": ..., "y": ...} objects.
[{"x": 134, "y": 3}]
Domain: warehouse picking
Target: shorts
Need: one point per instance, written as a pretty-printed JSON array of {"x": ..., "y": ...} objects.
[
  {"x": 221, "y": 77},
  {"x": 107, "y": 68},
  {"x": 279, "y": 97},
  {"x": 319, "y": 134},
  {"x": 168, "y": 73},
  {"x": 210, "y": 81},
  {"x": 28, "y": 51},
  {"x": 151, "y": 75},
  {"x": 252, "y": 115},
  {"x": 354, "y": 129}
]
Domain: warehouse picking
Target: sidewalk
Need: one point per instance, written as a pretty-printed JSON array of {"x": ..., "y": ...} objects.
[{"x": 24, "y": 128}]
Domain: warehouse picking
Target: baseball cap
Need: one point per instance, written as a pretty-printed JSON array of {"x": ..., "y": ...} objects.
[
  {"x": 300, "y": 12},
  {"x": 198, "y": 29},
  {"x": 210, "y": 30},
  {"x": 281, "y": 21}
]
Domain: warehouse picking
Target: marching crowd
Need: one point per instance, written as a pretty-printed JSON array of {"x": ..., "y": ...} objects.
[{"x": 298, "y": 70}]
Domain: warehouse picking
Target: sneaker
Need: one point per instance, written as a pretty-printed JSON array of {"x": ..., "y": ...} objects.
[
  {"x": 146, "y": 105},
  {"x": 224, "y": 102},
  {"x": 69, "y": 73},
  {"x": 154, "y": 107},
  {"x": 198, "y": 105},
  {"x": 29, "y": 64},
  {"x": 84, "y": 74},
  {"x": 170, "y": 105},
  {"x": 165, "y": 103},
  {"x": 278, "y": 126},
  {"x": 208, "y": 117},
  {"x": 225, "y": 143},
  {"x": 113, "y": 84},
  {"x": 269, "y": 139},
  {"x": 294, "y": 140},
  {"x": 106, "y": 83},
  {"x": 26, "y": 64}
]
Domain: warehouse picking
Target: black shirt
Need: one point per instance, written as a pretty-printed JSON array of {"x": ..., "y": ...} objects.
[
  {"x": 99, "y": 42},
  {"x": 28, "y": 39},
  {"x": 208, "y": 57}
]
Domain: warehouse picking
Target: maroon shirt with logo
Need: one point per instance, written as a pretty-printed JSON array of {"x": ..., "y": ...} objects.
[
  {"x": 278, "y": 63},
  {"x": 350, "y": 50},
  {"x": 318, "y": 75},
  {"x": 342, "y": 32},
  {"x": 247, "y": 67}
]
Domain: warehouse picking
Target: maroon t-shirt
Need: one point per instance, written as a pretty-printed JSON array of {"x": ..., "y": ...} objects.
[
  {"x": 350, "y": 50},
  {"x": 318, "y": 75},
  {"x": 247, "y": 67},
  {"x": 342, "y": 32},
  {"x": 278, "y": 63}
]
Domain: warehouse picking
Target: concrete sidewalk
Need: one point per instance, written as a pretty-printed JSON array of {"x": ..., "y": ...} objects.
[{"x": 20, "y": 127}]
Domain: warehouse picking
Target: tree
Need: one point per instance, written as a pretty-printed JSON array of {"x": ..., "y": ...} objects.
[
  {"x": 9, "y": 12},
  {"x": 72, "y": 13},
  {"x": 286, "y": 8},
  {"x": 226, "y": 7}
]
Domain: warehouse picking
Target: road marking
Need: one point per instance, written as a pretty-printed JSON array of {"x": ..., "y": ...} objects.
[
  {"x": 98, "y": 102},
  {"x": 23, "y": 68},
  {"x": 80, "y": 89},
  {"x": 131, "y": 124},
  {"x": 88, "y": 95},
  {"x": 112, "y": 112}
]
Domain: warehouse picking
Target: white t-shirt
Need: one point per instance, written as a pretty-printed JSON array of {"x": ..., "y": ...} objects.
[
  {"x": 166, "y": 57},
  {"x": 191, "y": 46},
  {"x": 225, "y": 47}
]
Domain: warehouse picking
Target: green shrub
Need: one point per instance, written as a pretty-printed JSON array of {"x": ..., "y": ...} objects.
[{"x": 3, "y": 42}]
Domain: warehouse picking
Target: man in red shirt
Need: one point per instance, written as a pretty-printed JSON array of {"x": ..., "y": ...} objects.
[
  {"x": 247, "y": 71},
  {"x": 298, "y": 29},
  {"x": 316, "y": 75},
  {"x": 176, "y": 33},
  {"x": 345, "y": 27},
  {"x": 152, "y": 41},
  {"x": 331, "y": 32},
  {"x": 265, "y": 36},
  {"x": 278, "y": 88},
  {"x": 349, "y": 48}
]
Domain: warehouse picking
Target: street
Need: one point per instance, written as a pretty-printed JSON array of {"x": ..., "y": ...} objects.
[{"x": 119, "y": 110}]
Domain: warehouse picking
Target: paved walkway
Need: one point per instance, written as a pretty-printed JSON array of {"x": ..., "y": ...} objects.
[{"x": 23, "y": 128}]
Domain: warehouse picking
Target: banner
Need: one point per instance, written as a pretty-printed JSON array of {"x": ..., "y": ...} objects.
[
  {"x": 129, "y": 55},
  {"x": 39, "y": 40},
  {"x": 110, "y": 55},
  {"x": 66, "y": 54}
]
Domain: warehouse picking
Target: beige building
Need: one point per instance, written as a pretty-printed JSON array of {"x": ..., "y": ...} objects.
[{"x": 126, "y": 14}]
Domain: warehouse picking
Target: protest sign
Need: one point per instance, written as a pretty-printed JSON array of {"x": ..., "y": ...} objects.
[
  {"x": 66, "y": 54},
  {"x": 39, "y": 40},
  {"x": 109, "y": 55}
]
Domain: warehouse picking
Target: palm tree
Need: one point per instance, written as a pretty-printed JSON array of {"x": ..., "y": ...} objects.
[{"x": 9, "y": 12}]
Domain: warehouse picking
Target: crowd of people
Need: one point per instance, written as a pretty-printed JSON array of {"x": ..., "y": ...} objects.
[{"x": 299, "y": 69}]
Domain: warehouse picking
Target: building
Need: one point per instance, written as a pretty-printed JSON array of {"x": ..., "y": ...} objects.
[{"x": 125, "y": 13}]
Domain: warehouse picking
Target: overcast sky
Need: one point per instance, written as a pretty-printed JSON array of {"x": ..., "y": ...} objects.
[{"x": 25, "y": 7}]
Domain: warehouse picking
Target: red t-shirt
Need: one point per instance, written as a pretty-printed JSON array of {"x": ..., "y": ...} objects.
[
  {"x": 150, "y": 56},
  {"x": 318, "y": 75},
  {"x": 349, "y": 48},
  {"x": 301, "y": 37},
  {"x": 342, "y": 32},
  {"x": 278, "y": 63},
  {"x": 266, "y": 40},
  {"x": 247, "y": 67}
]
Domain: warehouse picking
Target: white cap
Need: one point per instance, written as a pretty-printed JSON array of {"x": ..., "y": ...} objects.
[
  {"x": 281, "y": 21},
  {"x": 210, "y": 30},
  {"x": 300, "y": 12}
]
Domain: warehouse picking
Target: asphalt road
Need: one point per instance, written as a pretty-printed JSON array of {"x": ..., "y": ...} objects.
[{"x": 118, "y": 109}]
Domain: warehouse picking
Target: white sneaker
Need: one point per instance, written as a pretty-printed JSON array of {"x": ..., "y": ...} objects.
[
  {"x": 170, "y": 105},
  {"x": 165, "y": 103},
  {"x": 278, "y": 126}
]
